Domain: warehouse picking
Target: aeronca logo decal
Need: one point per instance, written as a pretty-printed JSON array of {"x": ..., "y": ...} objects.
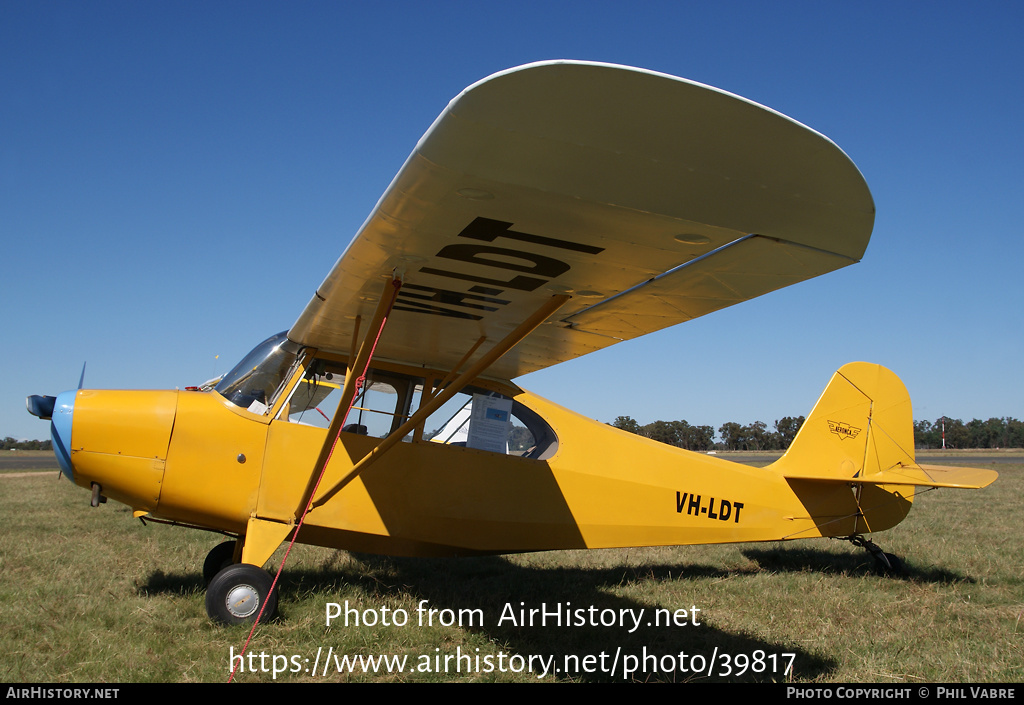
[
  {"x": 843, "y": 430},
  {"x": 530, "y": 261}
]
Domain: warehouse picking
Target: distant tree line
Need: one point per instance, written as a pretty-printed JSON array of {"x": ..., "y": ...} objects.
[
  {"x": 994, "y": 433},
  {"x": 675, "y": 433},
  {"x": 1006, "y": 432},
  {"x": 11, "y": 444},
  {"x": 681, "y": 434},
  {"x": 519, "y": 439},
  {"x": 756, "y": 436}
]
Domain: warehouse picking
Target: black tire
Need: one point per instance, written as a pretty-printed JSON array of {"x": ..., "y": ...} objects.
[
  {"x": 895, "y": 564},
  {"x": 889, "y": 564},
  {"x": 220, "y": 557},
  {"x": 237, "y": 593}
]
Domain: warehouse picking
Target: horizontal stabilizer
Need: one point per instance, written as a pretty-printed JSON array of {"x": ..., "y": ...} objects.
[
  {"x": 861, "y": 432},
  {"x": 952, "y": 476},
  {"x": 919, "y": 475}
]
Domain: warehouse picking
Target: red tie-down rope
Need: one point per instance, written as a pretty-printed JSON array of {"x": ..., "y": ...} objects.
[{"x": 396, "y": 284}]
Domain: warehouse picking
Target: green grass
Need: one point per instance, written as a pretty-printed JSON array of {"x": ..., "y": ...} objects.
[{"x": 91, "y": 595}]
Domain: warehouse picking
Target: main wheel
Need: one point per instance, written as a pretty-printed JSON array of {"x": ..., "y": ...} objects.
[
  {"x": 219, "y": 558},
  {"x": 237, "y": 593}
]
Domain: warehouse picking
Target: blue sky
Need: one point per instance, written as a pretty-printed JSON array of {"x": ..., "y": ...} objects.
[{"x": 176, "y": 178}]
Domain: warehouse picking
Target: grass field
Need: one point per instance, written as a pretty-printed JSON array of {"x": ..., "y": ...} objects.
[{"x": 91, "y": 595}]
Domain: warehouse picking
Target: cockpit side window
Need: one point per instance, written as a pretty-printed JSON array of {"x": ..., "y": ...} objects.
[
  {"x": 475, "y": 417},
  {"x": 381, "y": 407},
  {"x": 487, "y": 420}
]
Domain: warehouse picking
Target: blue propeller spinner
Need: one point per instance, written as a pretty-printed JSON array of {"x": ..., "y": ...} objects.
[{"x": 58, "y": 411}]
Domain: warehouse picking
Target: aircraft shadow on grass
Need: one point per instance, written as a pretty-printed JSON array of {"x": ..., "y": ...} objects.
[
  {"x": 494, "y": 586},
  {"x": 797, "y": 560}
]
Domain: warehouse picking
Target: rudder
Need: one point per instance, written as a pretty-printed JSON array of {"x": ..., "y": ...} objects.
[
  {"x": 858, "y": 433},
  {"x": 861, "y": 425},
  {"x": 860, "y": 437}
]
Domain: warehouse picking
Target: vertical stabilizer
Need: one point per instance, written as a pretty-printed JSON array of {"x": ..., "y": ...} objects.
[
  {"x": 860, "y": 433},
  {"x": 852, "y": 464},
  {"x": 861, "y": 425}
]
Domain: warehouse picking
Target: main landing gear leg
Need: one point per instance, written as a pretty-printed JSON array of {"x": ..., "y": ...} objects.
[
  {"x": 237, "y": 587},
  {"x": 887, "y": 563},
  {"x": 236, "y": 592}
]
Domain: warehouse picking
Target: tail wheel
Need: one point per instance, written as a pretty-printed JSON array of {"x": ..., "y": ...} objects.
[
  {"x": 889, "y": 564},
  {"x": 238, "y": 593}
]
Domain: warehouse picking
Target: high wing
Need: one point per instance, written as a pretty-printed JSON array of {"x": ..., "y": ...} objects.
[{"x": 649, "y": 199}]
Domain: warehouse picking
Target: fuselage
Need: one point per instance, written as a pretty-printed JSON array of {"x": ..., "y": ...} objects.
[{"x": 198, "y": 458}]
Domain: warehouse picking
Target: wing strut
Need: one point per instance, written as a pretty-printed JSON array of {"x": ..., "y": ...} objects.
[
  {"x": 478, "y": 368},
  {"x": 356, "y": 373},
  {"x": 384, "y": 306}
]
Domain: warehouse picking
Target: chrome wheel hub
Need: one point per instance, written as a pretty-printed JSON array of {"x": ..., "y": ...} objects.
[{"x": 242, "y": 601}]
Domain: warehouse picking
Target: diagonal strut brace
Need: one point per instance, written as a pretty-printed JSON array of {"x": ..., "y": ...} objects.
[
  {"x": 356, "y": 368},
  {"x": 485, "y": 361}
]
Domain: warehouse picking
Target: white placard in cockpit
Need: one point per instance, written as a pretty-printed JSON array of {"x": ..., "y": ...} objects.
[{"x": 490, "y": 423}]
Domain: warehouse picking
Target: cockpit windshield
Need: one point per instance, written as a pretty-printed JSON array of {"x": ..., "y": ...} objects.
[{"x": 254, "y": 382}]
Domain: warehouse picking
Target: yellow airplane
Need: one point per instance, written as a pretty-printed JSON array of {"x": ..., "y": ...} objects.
[{"x": 551, "y": 210}]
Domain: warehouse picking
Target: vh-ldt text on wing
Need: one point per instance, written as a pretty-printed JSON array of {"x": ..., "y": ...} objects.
[{"x": 649, "y": 199}]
